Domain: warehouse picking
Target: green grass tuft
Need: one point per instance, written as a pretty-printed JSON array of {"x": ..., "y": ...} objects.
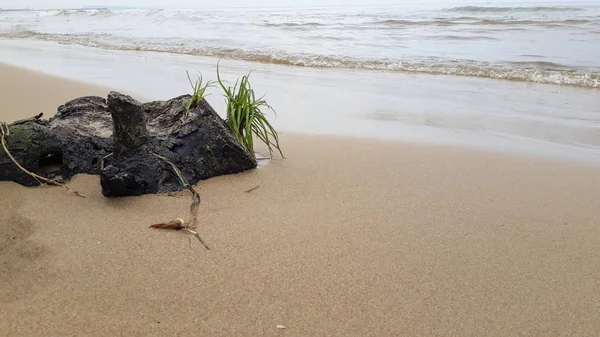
[
  {"x": 199, "y": 92},
  {"x": 245, "y": 118}
]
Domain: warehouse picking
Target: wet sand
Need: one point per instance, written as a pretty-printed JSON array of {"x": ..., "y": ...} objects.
[
  {"x": 345, "y": 237},
  {"x": 26, "y": 93},
  {"x": 506, "y": 116}
]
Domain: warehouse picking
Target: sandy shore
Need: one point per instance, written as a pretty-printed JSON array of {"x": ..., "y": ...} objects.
[
  {"x": 26, "y": 93},
  {"x": 343, "y": 238},
  {"x": 535, "y": 119}
]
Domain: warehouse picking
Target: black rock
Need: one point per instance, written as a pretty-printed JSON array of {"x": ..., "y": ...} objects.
[
  {"x": 129, "y": 144},
  {"x": 200, "y": 144},
  {"x": 85, "y": 128},
  {"x": 133, "y": 168},
  {"x": 36, "y": 147},
  {"x": 129, "y": 122}
]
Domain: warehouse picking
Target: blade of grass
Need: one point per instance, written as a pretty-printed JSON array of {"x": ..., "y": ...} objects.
[{"x": 244, "y": 116}]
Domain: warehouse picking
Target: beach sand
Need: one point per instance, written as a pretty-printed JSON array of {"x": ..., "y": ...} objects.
[
  {"x": 26, "y": 93},
  {"x": 345, "y": 237}
]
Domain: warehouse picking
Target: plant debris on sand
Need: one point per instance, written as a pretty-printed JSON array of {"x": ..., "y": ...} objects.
[{"x": 178, "y": 223}]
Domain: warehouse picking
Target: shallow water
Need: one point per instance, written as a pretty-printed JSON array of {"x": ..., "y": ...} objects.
[
  {"x": 519, "y": 117},
  {"x": 544, "y": 42}
]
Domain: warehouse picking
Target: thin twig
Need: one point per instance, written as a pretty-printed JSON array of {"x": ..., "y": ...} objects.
[
  {"x": 4, "y": 131},
  {"x": 191, "y": 224},
  {"x": 253, "y": 188},
  {"x": 198, "y": 236},
  {"x": 102, "y": 160}
]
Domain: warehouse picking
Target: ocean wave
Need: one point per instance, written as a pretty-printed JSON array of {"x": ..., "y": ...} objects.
[
  {"x": 90, "y": 12},
  {"x": 294, "y": 24},
  {"x": 517, "y": 22},
  {"x": 535, "y": 9},
  {"x": 469, "y": 21},
  {"x": 379, "y": 21},
  {"x": 463, "y": 38},
  {"x": 542, "y": 65},
  {"x": 538, "y": 72},
  {"x": 399, "y": 22}
]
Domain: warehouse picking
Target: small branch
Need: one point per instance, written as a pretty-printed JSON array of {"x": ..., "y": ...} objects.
[
  {"x": 252, "y": 189},
  {"x": 4, "y": 131},
  {"x": 191, "y": 224},
  {"x": 104, "y": 158},
  {"x": 199, "y": 238}
]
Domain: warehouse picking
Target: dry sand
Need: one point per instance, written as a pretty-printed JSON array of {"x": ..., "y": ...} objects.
[
  {"x": 343, "y": 238},
  {"x": 26, "y": 93}
]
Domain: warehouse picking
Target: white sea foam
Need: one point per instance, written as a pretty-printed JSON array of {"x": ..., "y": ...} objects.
[{"x": 544, "y": 44}]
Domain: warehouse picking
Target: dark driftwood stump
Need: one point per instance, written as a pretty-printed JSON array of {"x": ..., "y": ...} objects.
[{"x": 123, "y": 141}]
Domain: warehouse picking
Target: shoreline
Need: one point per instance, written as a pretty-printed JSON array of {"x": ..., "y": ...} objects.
[
  {"x": 515, "y": 51},
  {"x": 379, "y": 125},
  {"x": 345, "y": 237}
]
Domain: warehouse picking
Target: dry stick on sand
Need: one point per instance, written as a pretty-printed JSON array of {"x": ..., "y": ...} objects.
[
  {"x": 178, "y": 224},
  {"x": 252, "y": 189},
  {"x": 4, "y": 132}
]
